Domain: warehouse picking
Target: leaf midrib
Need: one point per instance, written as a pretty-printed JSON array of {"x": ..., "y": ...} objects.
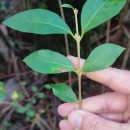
[
  {"x": 56, "y": 64},
  {"x": 97, "y": 60},
  {"x": 67, "y": 95},
  {"x": 46, "y": 24},
  {"x": 94, "y": 15}
]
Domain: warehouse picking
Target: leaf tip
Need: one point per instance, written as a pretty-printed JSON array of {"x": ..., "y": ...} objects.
[
  {"x": 24, "y": 60},
  {"x": 4, "y": 22},
  {"x": 123, "y": 48},
  {"x": 64, "y": 92},
  {"x": 67, "y": 6},
  {"x": 7, "y": 23}
]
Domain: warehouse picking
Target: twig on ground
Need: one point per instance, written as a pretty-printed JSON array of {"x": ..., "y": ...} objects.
[
  {"x": 111, "y": 31},
  {"x": 127, "y": 53},
  {"x": 3, "y": 76},
  {"x": 66, "y": 40},
  {"x": 121, "y": 22},
  {"x": 108, "y": 31}
]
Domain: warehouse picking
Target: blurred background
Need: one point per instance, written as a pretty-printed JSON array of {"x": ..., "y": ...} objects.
[{"x": 26, "y": 100}]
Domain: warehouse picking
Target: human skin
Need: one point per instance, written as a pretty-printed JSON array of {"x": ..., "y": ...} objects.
[{"x": 108, "y": 111}]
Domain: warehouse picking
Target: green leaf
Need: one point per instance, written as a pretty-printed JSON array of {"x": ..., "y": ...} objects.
[
  {"x": 24, "y": 83},
  {"x": 2, "y": 86},
  {"x": 2, "y": 91},
  {"x": 28, "y": 106},
  {"x": 102, "y": 57},
  {"x": 68, "y": 6},
  {"x": 33, "y": 100},
  {"x": 34, "y": 89},
  {"x": 30, "y": 113},
  {"x": 48, "y": 62},
  {"x": 21, "y": 110},
  {"x": 41, "y": 95},
  {"x": 96, "y": 12},
  {"x": 14, "y": 103},
  {"x": 47, "y": 86},
  {"x": 39, "y": 21},
  {"x": 64, "y": 92},
  {"x": 2, "y": 95},
  {"x": 5, "y": 123}
]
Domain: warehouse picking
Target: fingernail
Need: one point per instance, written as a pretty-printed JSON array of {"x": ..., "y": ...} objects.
[{"x": 76, "y": 119}]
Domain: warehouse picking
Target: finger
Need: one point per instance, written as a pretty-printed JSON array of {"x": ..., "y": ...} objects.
[
  {"x": 116, "y": 79},
  {"x": 64, "y": 125},
  {"x": 108, "y": 102},
  {"x": 83, "y": 120},
  {"x": 118, "y": 117}
]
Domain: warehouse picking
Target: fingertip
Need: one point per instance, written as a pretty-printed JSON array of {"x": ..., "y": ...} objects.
[
  {"x": 59, "y": 109},
  {"x": 62, "y": 110},
  {"x": 75, "y": 118},
  {"x": 65, "y": 109},
  {"x": 64, "y": 125}
]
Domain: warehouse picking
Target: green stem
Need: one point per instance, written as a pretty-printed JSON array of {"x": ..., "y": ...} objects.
[
  {"x": 79, "y": 76},
  {"x": 79, "y": 70},
  {"x": 76, "y": 21}
]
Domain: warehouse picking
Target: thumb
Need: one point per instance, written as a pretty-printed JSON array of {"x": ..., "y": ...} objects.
[{"x": 83, "y": 120}]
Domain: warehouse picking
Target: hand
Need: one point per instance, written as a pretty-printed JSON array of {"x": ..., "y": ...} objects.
[{"x": 109, "y": 111}]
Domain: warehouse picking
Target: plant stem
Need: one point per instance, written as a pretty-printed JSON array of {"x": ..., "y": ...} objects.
[
  {"x": 79, "y": 70},
  {"x": 76, "y": 21},
  {"x": 108, "y": 31},
  {"x": 79, "y": 75}
]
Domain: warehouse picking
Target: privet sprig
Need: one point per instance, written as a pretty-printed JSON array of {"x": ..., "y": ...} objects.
[{"x": 41, "y": 21}]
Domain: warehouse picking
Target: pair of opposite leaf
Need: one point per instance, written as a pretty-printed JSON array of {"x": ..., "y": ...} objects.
[{"x": 41, "y": 21}]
